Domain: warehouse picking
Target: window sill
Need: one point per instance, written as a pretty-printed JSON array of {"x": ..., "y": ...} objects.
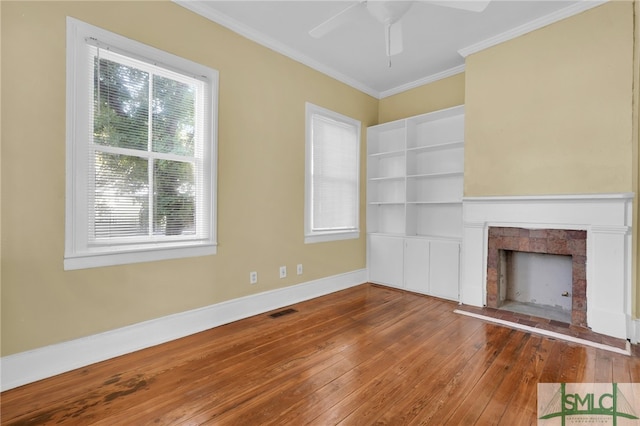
[
  {"x": 331, "y": 236},
  {"x": 96, "y": 260}
]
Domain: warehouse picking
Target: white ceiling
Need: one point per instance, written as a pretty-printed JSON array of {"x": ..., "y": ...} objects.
[{"x": 436, "y": 38}]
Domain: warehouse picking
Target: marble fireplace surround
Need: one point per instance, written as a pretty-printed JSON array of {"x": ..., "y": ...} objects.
[{"x": 606, "y": 218}]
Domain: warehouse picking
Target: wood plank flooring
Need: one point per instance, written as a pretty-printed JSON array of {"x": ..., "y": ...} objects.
[
  {"x": 545, "y": 324},
  {"x": 366, "y": 355}
]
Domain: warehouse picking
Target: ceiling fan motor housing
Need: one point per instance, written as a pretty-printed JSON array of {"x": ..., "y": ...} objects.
[{"x": 388, "y": 12}]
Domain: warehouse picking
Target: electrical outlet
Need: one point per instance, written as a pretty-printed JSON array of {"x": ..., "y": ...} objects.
[
  {"x": 299, "y": 269},
  {"x": 253, "y": 277},
  {"x": 283, "y": 272}
]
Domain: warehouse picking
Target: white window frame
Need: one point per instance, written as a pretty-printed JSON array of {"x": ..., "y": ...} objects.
[
  {"x": 79, "y": 252},
  {"x": 316, "y": 236}
]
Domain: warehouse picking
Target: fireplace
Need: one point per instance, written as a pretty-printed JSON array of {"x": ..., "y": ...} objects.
[
  {"x": 595, "y": 229},
  {"x": 547, "y": 241}
]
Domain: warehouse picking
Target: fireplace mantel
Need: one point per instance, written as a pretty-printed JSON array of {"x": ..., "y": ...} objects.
[{"x": 607, "y": 219}]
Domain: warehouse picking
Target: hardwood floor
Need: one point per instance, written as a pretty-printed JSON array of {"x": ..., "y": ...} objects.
[
  {"x": 545, "y": 324},
  {"x": 366, "y": 355}
]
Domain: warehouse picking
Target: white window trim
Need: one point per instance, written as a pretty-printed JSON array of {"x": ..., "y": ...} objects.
[
  {"x": 78, "y": 255},
  {"x": 311, "y": 236}
]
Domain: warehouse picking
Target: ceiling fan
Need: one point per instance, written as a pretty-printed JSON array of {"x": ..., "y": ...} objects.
[{"x": 389, "y": 13}]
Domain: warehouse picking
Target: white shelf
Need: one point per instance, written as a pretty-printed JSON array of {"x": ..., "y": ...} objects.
[
  {"x": 387, "y": 166},
  {"x": 386, "y": 139},
  {"x": 415, "y": 175},
  {"x": 388, "y": 234},
  {"x": 434, "y": 238},
  {"x": 415, "y": 179},
  {"x": 387, "y": 154},
  {"x": 438, "y": 128},
  {"x": 434, "y": 175},
  {"x": 436, "y": 161},
  {"x": 446, "y": 145},
  {"x": 386, "y": 218},
  {"x": 438, "y": 219},
  {"x": 384, "y": 179},
  {"x": 386, "y": 190},
  {"x": 446, "y": 188},
  {"x": 434, "y": 202}
]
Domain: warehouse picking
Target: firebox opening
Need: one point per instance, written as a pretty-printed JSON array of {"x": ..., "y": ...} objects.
[{"x": 536, "y": 284}]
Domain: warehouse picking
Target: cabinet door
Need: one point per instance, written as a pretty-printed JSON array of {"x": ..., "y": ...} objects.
[
  {"x": 444, "y": 273},
  {"x": 416, "y": 265},
  {"x": 385, "y": 260}
]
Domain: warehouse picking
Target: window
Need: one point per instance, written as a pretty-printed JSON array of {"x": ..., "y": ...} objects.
[
  {"x": 141, "y": 152},
  {"x": 332, "y": 191}
]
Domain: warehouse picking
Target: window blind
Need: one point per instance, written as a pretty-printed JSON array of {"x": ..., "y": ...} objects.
[
  {"x": 141, "y": 152},
  {"x": 334, "y": 175},
  {"x": 146, "y": 176}
]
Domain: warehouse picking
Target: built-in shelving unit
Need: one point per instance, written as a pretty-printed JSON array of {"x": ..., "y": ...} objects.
[{"x": 415, "y": 172}]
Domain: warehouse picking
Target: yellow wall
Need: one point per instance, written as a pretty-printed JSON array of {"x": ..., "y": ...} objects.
[
  {"x": 550, "y": 112},
  {"x": 261, "y": 175},
  {"x": 440, "y": 94}
]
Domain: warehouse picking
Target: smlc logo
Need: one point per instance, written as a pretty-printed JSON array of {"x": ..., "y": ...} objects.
[{"x": 588, "y": 403}]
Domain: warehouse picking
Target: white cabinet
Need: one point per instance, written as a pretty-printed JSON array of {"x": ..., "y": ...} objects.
[
  {"x": 416, "y": 264},
  {"x": 415, "y": 178},
  {"x": 444, "y": 269},
  {"x": 386, "y": 260}
]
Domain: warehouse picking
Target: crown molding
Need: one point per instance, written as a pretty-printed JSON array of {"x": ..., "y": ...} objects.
[
  {"x": 543, "y": 21},
  {"x": 260, "y": 38},
  {"x": 251, "y": 34},
  {"x": 421, "y": 82}
]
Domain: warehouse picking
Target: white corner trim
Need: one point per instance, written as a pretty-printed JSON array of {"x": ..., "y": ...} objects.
[
  {"x": 635, "y": 339},
  {"x": 421, "y": 82},
  {"x": 543, "y": 21},
  {"x": 30, "y": 366}
]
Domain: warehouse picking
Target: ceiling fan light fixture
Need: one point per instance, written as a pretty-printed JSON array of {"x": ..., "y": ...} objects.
[{"x": 388, "y": 12}]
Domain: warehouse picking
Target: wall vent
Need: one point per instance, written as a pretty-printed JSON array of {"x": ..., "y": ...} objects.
[{"x": 283, "y": 312}]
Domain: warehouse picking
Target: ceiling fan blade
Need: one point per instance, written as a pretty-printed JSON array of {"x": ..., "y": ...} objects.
[
  {"x": 393, "y": 38},
  {"x": 471, "y": 5},
  {"x": 335, "y": 21}
]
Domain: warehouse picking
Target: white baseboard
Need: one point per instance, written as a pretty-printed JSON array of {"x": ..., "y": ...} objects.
[{"x": 30, "y": 366}]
